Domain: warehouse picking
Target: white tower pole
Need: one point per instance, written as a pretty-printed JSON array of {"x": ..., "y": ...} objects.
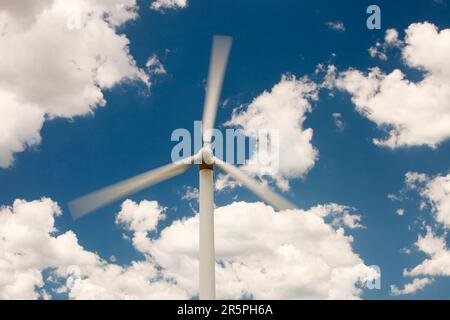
[{"x": 207, "y": 288}]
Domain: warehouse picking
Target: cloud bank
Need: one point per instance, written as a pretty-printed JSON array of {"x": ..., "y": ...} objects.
[
  {"x": 57, "y": 58},
  {"x": 282, "y": 255}
]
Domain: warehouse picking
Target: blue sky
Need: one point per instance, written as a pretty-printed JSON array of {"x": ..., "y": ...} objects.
[{"x": 131, "y": 134}]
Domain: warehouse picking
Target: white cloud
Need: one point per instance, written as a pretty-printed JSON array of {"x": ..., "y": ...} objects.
[
  {"x": 140, "y": 280},
  {"x": 190, "y": 193},
  {"x": 391, "y": 38},
  {"x": 284, "y": 109},
  {"x": 30, "y": 245},
  {"x": 377, "y": 51},
  {"x": 400, "y": 212},
  {"x": 154, "y": 66},
  {"x": 142, "y": 217},
  {"x": 280, "y": 255},
  {"x": 76, "y": 54},
  {"x": 437, "y": 192},
  {"x": 289, "y": 254},
  {"x": 416, "y": 285},
  {"x": 391, "y": 41},
  {"x": 336, "y": 25},
  {"x": 339, "y": 215},
  {"x": 413, "y": 179},
  {"x": 438, "y": 261},
  {"x": 160, "y": 5},
  {"x": 21, "y": 124},
  {"x": 403, "y": 107},
  {"x": 434, "y": 191}
]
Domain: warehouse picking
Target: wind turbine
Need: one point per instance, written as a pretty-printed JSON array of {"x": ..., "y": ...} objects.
[{"x": 206, "y": 162}]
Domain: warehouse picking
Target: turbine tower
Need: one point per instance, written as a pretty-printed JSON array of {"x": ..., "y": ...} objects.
[{"x": 206, "y": 162}]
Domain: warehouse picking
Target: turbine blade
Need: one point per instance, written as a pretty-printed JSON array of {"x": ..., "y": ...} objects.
[
  {"x": 217, "y": 65},
  {"x": 92, "y": 201},
  {"x": 256, "y": 187}
]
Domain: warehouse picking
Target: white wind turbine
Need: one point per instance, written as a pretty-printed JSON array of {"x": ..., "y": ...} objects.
[{"x": 206, "y": 161}]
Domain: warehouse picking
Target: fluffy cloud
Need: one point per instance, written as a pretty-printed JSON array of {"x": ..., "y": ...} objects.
[
  {"x": 283, "y": 109},
  {"x": 140, "y": 280},
  {"x": 57, "y": 56},
  {"x": 154, "y": 66},
  {"x": 21, "y": 124},
  {"x": 289, "y": 254},
  {"x": 283, "y": 255},
  {"x": 30, "y": 245},
  {"x": 435, "y": 195},
  {"x": 416, "y": 285},
  {"x": 160, "y": 5},
  {"x": 338, "y": 215},
  {"x": 142, "y": 217},
  {"x": 435, "y": 191},
  {"x": 390, "y": 41},
  {"x": 403, "y": 107},
  {"x": 438, "y": 261}
]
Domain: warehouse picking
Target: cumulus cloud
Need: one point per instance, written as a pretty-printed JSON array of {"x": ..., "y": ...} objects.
[
  {"x": 161, "y": 5},
  {"x": 21, "y": 124},
  {"x": 283, "y": 109},
  {"x": 410, "y": 288},
  {"x": 376, "y": 51},
  {"x": 140, "y": 217},
  {"x": 140, "y": 280},
  {"x": 438, "y": 256},
  {"x": 402, "y": 107},
  {"x": 435, "y": 195},
  {"x": 154, "y": 66},
  {"x": 338, "y": 215},
  {"x": 292, "y": 254},
  {"x": 391, "y": 41},
  {"x": 435, "y": 192},
  {"x": 76, "y": 54},
  {"x": 30, "y": 245},
  {"x": 391, "y": 38},
  {"x": 288, "y": 254}
]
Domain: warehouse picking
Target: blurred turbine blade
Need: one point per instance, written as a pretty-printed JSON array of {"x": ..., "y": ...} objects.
[
  {"x": 92, "y": 201},
  {"x": 217, "y": 65},
  {"x": 272, "y": 198}
]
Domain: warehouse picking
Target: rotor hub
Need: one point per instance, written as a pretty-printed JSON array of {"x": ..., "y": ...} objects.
[{"x": 207, "y": 156}]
